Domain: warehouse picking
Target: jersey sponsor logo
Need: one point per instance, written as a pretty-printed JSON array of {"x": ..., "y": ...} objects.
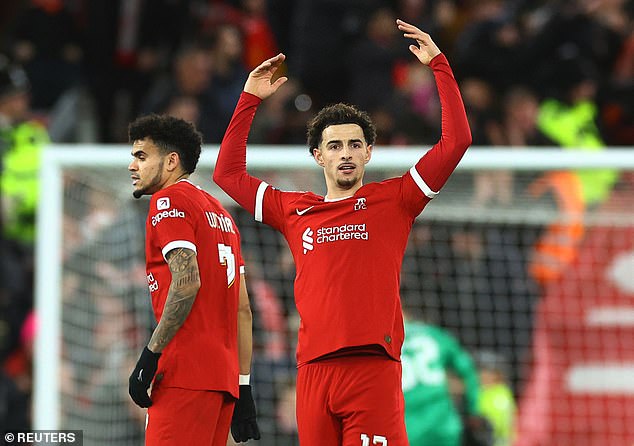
[
  {"x": 152, "y": 283},
  {"x": 329, "y": 234},
  {"x": 360, "y": 204},
  {"x": 307, "y": 240},
  {"x": 163, "y": 203},
  {"x": 303, "y": 211},
  {"x": 219, "y": 221},
  {"x": 173, "y": 213}
]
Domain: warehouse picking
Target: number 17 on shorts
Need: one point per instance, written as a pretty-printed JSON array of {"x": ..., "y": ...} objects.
[{"x": 376, "y": 439}]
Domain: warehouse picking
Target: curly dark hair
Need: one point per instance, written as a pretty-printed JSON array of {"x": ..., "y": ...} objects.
[
  {"x": 339, "y": 114},
  {"x": 170, "y": 135}
]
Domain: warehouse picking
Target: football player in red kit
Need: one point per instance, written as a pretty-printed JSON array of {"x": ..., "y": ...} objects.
[
  {"x": 348, "y": 247},
  {"x": 199, "y": 355}
]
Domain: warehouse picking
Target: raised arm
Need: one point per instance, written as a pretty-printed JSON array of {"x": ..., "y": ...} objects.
[
  {"x": 230, "y": 172},
  {"x": 436, "y": 166}
]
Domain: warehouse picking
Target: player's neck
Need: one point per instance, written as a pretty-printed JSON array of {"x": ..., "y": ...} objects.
[{"x": 176, "y": 178}]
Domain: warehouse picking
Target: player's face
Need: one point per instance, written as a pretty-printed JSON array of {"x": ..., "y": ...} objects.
[
  {"x": 343, "y": 153},
  {"x": 146, "y": 168}
]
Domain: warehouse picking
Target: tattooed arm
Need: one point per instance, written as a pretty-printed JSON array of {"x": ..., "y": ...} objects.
[{"x": 180, "y": 298}]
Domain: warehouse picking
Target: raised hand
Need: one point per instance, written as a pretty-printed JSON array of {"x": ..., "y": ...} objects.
[
  {"x": 259, "y": 82},
  {"x": 426, "y": 49}
]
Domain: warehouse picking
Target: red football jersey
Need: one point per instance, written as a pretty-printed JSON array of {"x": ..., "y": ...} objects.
[
  {"x": 348, "y": 256},
  {"x": 203, "y": 355},
  {"x": 348, "y": 253}
]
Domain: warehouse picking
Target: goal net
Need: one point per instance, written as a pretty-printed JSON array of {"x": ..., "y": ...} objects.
[{"x": 526, "y": 257}]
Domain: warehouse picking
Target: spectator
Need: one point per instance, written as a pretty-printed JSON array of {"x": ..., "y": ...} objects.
[
  {"x": 518, "y": 128},
  {"x": 228, "y": 77},
  {"x": 183, "y": 107},
  {"x": 311, "y": 55},
  {"x": 415, "y": 106},
  {"x": 126, "y": 45},
  {"x": 443, "y": 18},
  {"x": 370, "y": 62},
  {"x": 21, "y": 142},
  {"x": 191, "y": 76},
  {"x": 570, "y": 119},
  {"x": 259, "y": 39},
  {"x": 594, "y": 30},
  {"x": 496, "y": 403},
  {"x": 482, "y": 112},
  {"x": 46, "y": 42},
  {"x": 493, "y": 32}
]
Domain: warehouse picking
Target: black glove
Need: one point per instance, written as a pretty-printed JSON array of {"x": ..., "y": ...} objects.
[
  {"x": 243, "y": 423},
  {"x": 142, "y": 376}
]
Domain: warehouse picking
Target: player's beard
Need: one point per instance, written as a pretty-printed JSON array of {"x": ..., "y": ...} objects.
[
  {"x": 148, "y": 190},
  {"x": 347, "y": 182}
]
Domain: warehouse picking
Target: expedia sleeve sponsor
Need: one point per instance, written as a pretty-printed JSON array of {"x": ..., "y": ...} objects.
[{"x": 172, "y": 213}]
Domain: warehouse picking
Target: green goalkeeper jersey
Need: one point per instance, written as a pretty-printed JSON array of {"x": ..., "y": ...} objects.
[{"x": 429, "y": 353}]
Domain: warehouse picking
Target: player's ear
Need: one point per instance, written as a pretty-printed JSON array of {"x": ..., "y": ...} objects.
[
  {"x": 368, "y": 153},
  {"x": 318, "y": 157},
  {"x": 173, "y": 161}
]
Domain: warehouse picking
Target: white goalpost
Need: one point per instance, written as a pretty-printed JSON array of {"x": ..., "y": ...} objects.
[{"x": 479, "y": 237}]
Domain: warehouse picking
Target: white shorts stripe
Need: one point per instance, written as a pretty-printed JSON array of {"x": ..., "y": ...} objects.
[
  {"x": 421, "y": 183},
  {"x": 242, "y": 269},
  {"x": 177, "y": 244},
  {"x": 259, "y": 200}
]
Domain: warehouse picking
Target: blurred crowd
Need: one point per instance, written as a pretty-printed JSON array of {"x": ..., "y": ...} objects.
[
  {"x": 532, "y": 72},
  {"x": 94, "y": 65}
]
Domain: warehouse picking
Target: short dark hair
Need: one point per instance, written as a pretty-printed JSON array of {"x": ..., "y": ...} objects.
[
  {"x": 339, "y": 114},
  {"x": 170, "y": 134}
]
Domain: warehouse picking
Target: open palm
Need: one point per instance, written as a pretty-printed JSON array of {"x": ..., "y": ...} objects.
[
  {"x": 426, "y": 49},
  {"x": 260, "y": 81}
]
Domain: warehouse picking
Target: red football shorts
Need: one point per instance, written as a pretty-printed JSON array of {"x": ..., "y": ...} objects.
[
  {"x": 351, "y": 401},
  {"x": 187, "y": 417}
]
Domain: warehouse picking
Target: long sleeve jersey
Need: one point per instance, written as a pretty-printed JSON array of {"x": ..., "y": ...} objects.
[{"x": 348, "y": 252}]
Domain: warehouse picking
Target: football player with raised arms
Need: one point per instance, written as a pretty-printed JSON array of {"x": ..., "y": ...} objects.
[
  {"x": 348, "y": 247},
  {"x": 198, "y": 358}
]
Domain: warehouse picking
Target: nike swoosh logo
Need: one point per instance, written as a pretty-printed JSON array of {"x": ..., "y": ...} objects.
[
  {"x": 303, "y": 211},
  {"x": 140, "y": 377}
]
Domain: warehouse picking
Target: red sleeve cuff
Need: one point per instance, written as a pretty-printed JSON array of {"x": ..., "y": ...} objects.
[
  {"x": 250, "y": 99},
  {"x": 438, "y": 59}
]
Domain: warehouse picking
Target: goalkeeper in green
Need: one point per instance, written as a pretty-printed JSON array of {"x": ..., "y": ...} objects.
[{"x": 429, "y": 355}]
